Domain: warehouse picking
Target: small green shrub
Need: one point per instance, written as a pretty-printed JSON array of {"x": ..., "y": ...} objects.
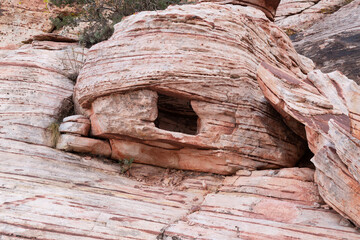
[
  {"x": 125, "y": 164},
  {"x": 97, "y": 32},
  {"x": 64, "y": 20},
  {"x": 101, "y": 15}
]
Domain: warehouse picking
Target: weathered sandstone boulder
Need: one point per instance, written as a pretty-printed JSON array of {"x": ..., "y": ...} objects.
[
  {"x": 323, "y": 103},
  {"x": 50, "y": 194},
  {"x": 36, "y": 90},
  {"x": 73, "y": 143},
  {"x": 294, "y": 15},
  {"x": 177, "y": 88},
  {"x": 255, "y": 205},
  {"x": 334, "y": 42},
  {"x": 337, "y": 173},
  {"x": 76, "y": 124}
]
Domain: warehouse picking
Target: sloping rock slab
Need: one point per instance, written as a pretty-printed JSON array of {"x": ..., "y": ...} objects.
[
  {"x": 49, "y": 194},
  {"x": 258, "y": 205},
  {"x": 46, "y": 193}
]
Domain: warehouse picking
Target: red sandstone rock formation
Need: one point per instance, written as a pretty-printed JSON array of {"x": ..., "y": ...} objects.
[
  {"x": 182, "y": 83},
  {"x": 50, "y": 194},
  {"x": 36, "y": 92},
  {"x": 325, "y": 104}
]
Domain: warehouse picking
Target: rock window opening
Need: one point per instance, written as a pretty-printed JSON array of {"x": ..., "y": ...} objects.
[{"x": 176, "y": 115}]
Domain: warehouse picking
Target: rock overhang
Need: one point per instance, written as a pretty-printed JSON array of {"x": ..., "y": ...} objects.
[{"x": 205, "y": 57}]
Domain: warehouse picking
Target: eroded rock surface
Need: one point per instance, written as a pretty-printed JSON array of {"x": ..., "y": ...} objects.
[
  {"x": 297, "y": 15},
  {"x": 324, "y": 103},
  {"x": 36, "y": 90},
  {"x": 67, "y": 196},
  {"x": 254, "y": 205},
  {"x": 182, "y": 83},
  {"x": 19, "y": 20},
  {"x": 334, "y": 42}
]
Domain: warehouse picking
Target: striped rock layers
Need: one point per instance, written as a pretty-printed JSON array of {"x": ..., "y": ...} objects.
[
  {"x": 36, "y": 90},
  {"x": 328, "y": 106},
  {"x": 177, "y": 88}
]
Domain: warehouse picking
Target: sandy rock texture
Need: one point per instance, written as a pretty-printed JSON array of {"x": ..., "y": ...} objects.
[
  {"x": 20, "y": 20},
  {"x": 324, "y": 103},
  {"x": 334, "y": 42},
  {"x": 36, "y": 90},
  {"x": 182, "y": 83},
  {"x": 48, "y": 193},
  {"x": 255, "y": 205},
  {"x": 296, "y": 15}
]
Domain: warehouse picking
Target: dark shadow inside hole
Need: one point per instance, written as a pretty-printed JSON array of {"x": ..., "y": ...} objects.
[
  {"x": 176, "y": 115},
  {"x": 305, "y": 162}
]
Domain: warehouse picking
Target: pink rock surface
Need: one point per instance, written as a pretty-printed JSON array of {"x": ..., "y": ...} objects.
[
  {"x": 148, "y": 88},
  {"x": 67, "y": 195},
  {"x": 258, "y": 205},
  {"x": 297, "y": 15},
  {"x": 35, "y": 90},
  {"x": 72, "y": 143},
  {"x": 322, "y": 103},
  {"x": 75, "y": 128}
]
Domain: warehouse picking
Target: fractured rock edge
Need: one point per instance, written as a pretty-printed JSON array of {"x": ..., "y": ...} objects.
[{"x": 324, "y": 107}]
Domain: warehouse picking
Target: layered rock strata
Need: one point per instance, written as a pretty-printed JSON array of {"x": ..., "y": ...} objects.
[
  {"x": 324, "y": 103},
  {"x": 46, "y": 193},
  {"x": 36, "y": 90},
  {"x": 254, "y": 205},
  {"x": 181, "y": 83}
]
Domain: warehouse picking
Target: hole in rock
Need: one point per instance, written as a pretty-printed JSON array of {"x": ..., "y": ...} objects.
[
  {"x": 305, "y": 160},
  {"x": 176, "y": 115}
]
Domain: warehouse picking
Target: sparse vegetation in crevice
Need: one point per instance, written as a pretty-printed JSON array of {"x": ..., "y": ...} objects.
[
  {"x": 53, "y": 128},
  {"x": 101, "y": 15},
  {"x": 125, "y": 164},
  {"x": 329, "y": 10},
  {"x": 290, "y": 31},
  {"x": 62, "y": 20},
  {"x": 72, "y": 62}
]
